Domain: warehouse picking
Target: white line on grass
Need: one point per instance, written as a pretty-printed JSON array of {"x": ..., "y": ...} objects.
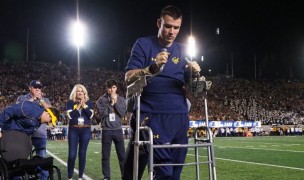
[
  {"x": 95, "y": 143},
  {"x": 262, "y": 164},
  {"x": 65, "y": 164},
  {"x": 238, "y": 147},
  {"x": 245, "y": 140}
]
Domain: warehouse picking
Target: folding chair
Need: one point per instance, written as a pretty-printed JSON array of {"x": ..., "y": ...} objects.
[{"x": 15, "y": 153}]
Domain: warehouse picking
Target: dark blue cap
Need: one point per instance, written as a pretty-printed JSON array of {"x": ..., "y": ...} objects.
[{"x": 36, "y": 83}]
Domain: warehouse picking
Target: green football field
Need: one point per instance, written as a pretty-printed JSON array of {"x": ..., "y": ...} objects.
[{"x": 268, "y": 157}]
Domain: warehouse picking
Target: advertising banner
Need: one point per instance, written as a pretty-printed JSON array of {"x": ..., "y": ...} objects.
[{"x": 217, "y": 124}]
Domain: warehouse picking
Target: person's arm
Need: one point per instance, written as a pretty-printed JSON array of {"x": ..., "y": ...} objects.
[
  {"x": 133, "y": 75},
  {"x": 194, "y": 66},
  {"x": 44, "y": 103},
  {"x": 71, "y": 110},
  {"x": 103, "y": 106},
  {"x": 5, "y": 115},
  {"x": 88, "y": 109},
  {"x": 120, "y": 106}
]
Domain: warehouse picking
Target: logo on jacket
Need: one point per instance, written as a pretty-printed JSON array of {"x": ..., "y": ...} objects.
[
  {"x": 155, "y": 136},
  {"x": 175, "y": 60}
]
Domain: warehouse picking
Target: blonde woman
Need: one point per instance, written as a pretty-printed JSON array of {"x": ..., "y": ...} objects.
[{"x": 80, "y": 112}]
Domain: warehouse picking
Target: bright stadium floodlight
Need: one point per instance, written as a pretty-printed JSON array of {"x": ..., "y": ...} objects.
[
  {"x": 78, "y": 39},
  {"x": 78, "y": 34},
  {"x": 191, "y": 50}
]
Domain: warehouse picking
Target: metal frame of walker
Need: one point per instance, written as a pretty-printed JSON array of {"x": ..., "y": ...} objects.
[{"x": 136, "y": 89}]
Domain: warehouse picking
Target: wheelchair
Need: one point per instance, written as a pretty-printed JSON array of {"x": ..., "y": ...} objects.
[{"x": 17, "y": 161}]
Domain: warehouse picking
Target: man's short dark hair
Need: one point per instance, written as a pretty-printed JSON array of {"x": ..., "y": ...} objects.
[
  {"x": 172, "y": 11},
  {"x": 111, "y": 82}
]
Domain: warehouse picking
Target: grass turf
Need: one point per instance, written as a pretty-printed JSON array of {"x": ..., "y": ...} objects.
[{"x": 268, "y": 157}]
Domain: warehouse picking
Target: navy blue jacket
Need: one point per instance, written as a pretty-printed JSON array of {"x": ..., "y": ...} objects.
[
  {"x": 41, "y": 131},
  {"x": 24, "y": 117},
  {"x": 165, "y": 92},
  {"x": 74, "y": 114}
]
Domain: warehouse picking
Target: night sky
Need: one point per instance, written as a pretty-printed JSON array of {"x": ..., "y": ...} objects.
[{"x": 270, "y": 30}]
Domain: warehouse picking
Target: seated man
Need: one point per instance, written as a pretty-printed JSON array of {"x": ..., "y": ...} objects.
[{"x": 26, "y": 117}]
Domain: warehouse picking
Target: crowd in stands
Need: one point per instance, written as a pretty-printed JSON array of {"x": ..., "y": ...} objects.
[{"x": 271, "y": 102}]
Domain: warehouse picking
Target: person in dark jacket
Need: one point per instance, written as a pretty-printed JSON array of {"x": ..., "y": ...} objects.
[
  {"x": 39, "y": 137},
  {"x": 26, "y": 117},
  {"x": 112, "y": 108},
  {"x": 80, "y": 112}
]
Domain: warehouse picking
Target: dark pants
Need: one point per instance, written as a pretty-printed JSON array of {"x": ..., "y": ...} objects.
[
  {"x": 107, "y": 137},
  {"x": 40, "y": 145},
  {"x": 82, "y": 137},
  {"x": 167, "y": 129}
]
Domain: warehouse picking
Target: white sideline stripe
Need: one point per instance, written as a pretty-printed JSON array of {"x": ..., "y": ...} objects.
[
  {"x": 65, "y": 164},
  {"x": 242, "y": 140},
  {"x": 262, "y": 164},
  {"x": 238, "y": 147},
  {"x": 95, "y": 142}
]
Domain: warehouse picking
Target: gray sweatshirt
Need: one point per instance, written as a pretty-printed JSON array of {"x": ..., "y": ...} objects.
[{"x": 105, "y": 108}]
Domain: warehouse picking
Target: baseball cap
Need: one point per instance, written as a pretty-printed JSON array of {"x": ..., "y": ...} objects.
[
  {"x": 54, "y": 115},
  {"x": 36, "y": 83}
]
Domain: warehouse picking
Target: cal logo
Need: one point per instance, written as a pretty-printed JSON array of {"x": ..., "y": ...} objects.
[
  {"x": 153, "y": 59},
  {"x": 155, "y": 136},
  {"x": 175, "y": 60}
]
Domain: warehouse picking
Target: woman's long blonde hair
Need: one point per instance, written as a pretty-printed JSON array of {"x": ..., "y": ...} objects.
[{"x": 73, "y": 93}]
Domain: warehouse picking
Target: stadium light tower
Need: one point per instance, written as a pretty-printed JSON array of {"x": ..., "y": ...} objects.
[
  {"x": 191, "y": 52},
  {"x": 78, "y": 32},
  {"x": 78, "y": 38},
  {"x": 191, "y": 49}
]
